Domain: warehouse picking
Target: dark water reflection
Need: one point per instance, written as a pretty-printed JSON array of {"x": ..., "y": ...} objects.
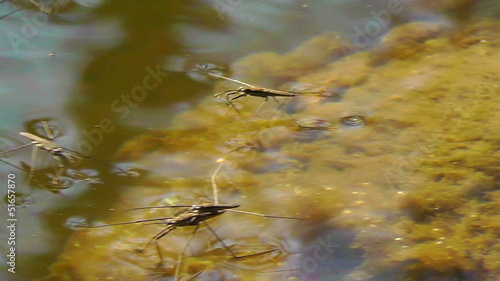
[{"x": 108, "y": 73}]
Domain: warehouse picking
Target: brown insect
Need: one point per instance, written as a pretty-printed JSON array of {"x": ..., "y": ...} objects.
[
  {"x": 193, "y": 215},
  {"x": 64, "y": 157}
]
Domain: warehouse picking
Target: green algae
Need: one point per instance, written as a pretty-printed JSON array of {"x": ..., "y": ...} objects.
[{"x": 418, "y": 185}]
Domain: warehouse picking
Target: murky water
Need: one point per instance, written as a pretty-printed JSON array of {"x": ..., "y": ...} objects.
[{"x": 393, "y": 167}]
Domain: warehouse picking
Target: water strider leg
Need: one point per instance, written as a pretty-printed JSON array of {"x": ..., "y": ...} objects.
[
  {"x": 229, "y": 249},
  {"x": 220, "y": 240},
  {"x": 237, "y": 97},
  {"x": 279, "y": 107},
  {"x": 263, "y": 215},
  {"x": 16, "y": 148},
  {"x": 216, "y": 197},
  {"x": 46, "y": 128},
  {"x": 60, "y": 169},
  {"x": 230, "y": 100},
  {"x": 214, "y": 183},
  {"x": 230, "y": 79},
  {"x": 181, "y": 255},
  {"x": 13, "y": 12},
  {"x": 259, "y": 109},
  {"x": 12, "y": 165},
  {"x": 32, "y": 164},
  {"x": 79, "y": 155},
  {"x": 155, "y": 239}
]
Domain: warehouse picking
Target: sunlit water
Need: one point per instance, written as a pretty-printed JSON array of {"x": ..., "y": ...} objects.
[{"x": 114, "y": 80}]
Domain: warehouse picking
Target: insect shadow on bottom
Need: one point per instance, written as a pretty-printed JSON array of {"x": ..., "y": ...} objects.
[{"x": 194, "y": 215}]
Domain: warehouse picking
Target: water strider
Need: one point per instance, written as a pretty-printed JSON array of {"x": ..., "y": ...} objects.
[
  {"x": 64, "y": 157},
  {"x": 194, "y": 215},
  {"x": 251, "y": 90},
  {"x": 61, "y": 155}
]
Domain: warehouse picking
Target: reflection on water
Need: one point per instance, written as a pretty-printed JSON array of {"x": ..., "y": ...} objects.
[{"x": 382, "y": 199}]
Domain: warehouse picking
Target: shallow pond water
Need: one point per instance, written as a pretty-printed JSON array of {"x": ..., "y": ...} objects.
[{"x": 393, "y": 166}]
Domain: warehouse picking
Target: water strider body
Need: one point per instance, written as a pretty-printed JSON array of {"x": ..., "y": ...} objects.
[
  {"x": 60, "y": 154},
  {"x": 257, "y": 92},
  {"x": 193, "y": 215},
  {"x": 63, "y": 156},
  {"x": 260, "y": 92},
  {"x": 252, "y": 90}
]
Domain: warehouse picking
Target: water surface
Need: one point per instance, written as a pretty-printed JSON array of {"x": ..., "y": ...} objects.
[{"x": 114, "y": 80}]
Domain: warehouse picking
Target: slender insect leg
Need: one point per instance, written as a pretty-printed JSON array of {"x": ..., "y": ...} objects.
[
  {"x": 70, "y": 158},
  {"x": 155, "y": 239},
  {"x": 279, "y": 107},
  {"x": 158, "y": 250},
  {"x": 235, "y": 98},
  {"x": 230, "y": 79},
  {"x": 192, "y": 277},
  {"x": 214, "y": 183},
  {"x": 236, "y": 109},
  {"x": 15, "y": 148},
  {"x": 60, "y": 169},
  {"x": 254, "y": 116},
  {"x": 12, "y": 165},
  {"x": 79, "y": 155},
  {"x": 259, "y": 253},
  {"x": 263, "y": 215},
  {"x": 230, "y": 100},
  {"x": 47, "y": 130},
  {"x": 32, "y": 164},
  {"x": 220, "y": 240},
  {"x": 181, "y": 255},
  {"x": 15, "y": 11}
]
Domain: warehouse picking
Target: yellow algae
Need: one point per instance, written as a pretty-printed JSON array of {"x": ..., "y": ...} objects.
[
  {"x": 438, "y": 257},
  {"x": 347, "y": 72},
  {"x": 406, "y": 41},
  {"x": 417, "y": 186},
  {"x": 482, "y": 34},
  {"x": 312, "y": 54}
]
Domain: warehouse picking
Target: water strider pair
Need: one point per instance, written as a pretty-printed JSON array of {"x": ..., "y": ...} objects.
[{"x": 193, "y": 215}]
